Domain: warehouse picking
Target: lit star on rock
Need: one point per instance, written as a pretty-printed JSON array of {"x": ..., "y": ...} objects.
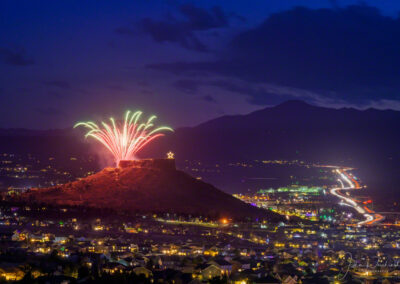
[{"x": 170, "y": 155}]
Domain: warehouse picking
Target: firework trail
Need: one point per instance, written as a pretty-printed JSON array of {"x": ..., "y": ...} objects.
[{"x": 124, "y": 139}]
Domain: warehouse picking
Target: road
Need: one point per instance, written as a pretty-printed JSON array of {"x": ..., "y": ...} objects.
[{"x": 352, "y": 184}]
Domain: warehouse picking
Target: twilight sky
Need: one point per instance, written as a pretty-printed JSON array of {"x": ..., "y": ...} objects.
[{"x": 190, "y": 61}]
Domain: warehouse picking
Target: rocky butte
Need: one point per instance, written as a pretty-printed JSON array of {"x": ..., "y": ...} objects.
[{"x": 149, "y": 186}]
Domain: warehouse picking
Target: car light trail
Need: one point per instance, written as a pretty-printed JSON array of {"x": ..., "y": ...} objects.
[{"x": 370, "y": 216}]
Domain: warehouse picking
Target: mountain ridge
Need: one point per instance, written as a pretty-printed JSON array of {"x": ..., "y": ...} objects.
[
  {"x": 286, "y": 105},
  {"x": 291, "y": 130}
]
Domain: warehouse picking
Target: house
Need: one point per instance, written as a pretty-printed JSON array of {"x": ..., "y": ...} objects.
[
  {"x": 142, "y": 270},
  {"x": 267, "y": 280},
  {"x": 239, "y": 264},
  {"x": 211, "y": 271},
  {"x": 60, "y": 240},
  {"x": 11, "y": 273},
  {"x": 56, "y": 279},
  {"x": 113, "y": 267},
  {"x": 290, "y": 280},
  {"x": 225, "y": 266}
]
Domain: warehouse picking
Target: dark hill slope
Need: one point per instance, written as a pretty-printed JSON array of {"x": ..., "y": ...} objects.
[{"x": 136, "y": 189}]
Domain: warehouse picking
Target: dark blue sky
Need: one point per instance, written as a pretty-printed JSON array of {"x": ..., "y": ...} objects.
[{"x": 190, "y": 61}]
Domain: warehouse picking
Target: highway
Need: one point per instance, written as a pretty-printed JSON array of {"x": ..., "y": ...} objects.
[{"x": 370, "y": 216}]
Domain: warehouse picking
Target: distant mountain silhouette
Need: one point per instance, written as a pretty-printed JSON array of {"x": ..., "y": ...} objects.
[
  {"x": 138, "y": 189},
  {"x": 291, "y": 130}
]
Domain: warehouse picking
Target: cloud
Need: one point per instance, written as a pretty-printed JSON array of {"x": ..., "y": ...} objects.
[
  {"x": 199, "y": 19},
  {"x": 49, "y": 111},
  {"x": 125, "y": 31},
  {"x": 187, "y": 86},
  {"x": 258, "y": 94},
  {"x": 59, "y": 84},
  {"x": 16, "y": 58},
  {"x": 209, "y": 99},
  {"x": 143, "y": 83},
  {"x": 384, "y": 104},
  {"x": 115, "y": 87},
  {"x": 55, "y": 95},
  {"x": 147, "y": 92},
  {"x": 349, "y": 54},
  {"x": 182, "y": 30},
  {"x": 253, "y": 92}
]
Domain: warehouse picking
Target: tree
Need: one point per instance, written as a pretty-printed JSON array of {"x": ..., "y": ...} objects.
[
  {"x": 83, "y": 272},
  {"x": 219, "y": 280}
]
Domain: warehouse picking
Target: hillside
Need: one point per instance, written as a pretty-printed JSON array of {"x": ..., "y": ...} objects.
[{"x": 139, "y": 189}]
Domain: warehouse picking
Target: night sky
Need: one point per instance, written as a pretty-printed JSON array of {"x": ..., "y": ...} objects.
[{"x": 190, "y": 61}]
